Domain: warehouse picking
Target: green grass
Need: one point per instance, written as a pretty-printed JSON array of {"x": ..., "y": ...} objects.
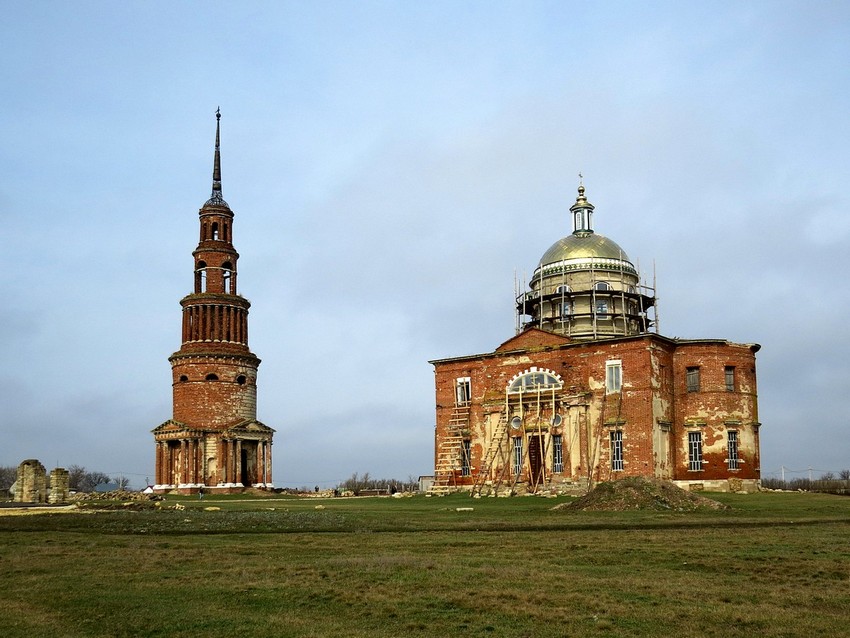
[{"x": 773, "y": 565}]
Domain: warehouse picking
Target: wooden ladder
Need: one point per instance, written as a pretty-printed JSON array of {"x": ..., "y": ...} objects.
[
  {"x": 495, "y": 450},
  {"x": 449, "y": 450}
]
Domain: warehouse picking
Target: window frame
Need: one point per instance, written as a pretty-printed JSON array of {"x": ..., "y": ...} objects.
[
  {"x": 463, "y": 391},
  {"x": 616, "y": 439},
  {"x": 557, "y": 453},
  {"x": 695, "y": 459},
  {"x": 733, "y": 458},
  {"x": 601, "y": 308},
  {"x": 729, "y": 378},
  {"x": 692, "y": 379},
  {"x": 613, "y": 380},
  {"x": 551, "y": 381},
  {"x": 466, "y": 457},
  {"x": 516, "y": 460}
]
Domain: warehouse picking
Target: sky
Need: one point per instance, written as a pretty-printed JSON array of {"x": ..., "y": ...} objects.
[{"x": 393, "y": 166}]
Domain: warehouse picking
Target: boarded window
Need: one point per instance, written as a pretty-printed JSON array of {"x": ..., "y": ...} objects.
[
  {"x": 692, "y": 379},
  {"x": 730, "y": 378}
]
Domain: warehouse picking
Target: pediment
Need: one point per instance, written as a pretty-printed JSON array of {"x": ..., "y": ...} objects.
[
  {"x": 250, "y": 426},
  {"x": 531, "y": 339},
  {"x": 169, "y": 426}
]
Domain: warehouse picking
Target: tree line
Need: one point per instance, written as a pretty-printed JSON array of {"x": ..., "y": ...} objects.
[
  {"x": 357, "y": 483},
  {"x": 828, "y": 482}
]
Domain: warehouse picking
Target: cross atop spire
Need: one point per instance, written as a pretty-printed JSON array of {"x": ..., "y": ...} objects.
[{"x": 216, "y": 199}]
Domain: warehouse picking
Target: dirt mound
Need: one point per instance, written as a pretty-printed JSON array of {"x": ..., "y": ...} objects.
[{"x": 635, "y": 493}]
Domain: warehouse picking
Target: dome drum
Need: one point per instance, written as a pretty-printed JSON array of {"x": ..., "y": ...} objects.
[{"x": 585, "y": 287}]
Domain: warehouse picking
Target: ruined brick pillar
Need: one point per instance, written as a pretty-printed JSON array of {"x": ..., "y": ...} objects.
[
  {"x": 59, "y": 481},
  {"x": 31, "y": 482}
]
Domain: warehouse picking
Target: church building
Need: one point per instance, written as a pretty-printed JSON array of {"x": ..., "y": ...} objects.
[
  {"x": 588, "y": 391},
  {"x": 213, "y": 440}
]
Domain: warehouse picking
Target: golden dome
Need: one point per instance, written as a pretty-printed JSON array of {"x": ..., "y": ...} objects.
[{"x": 583, "y": 246}]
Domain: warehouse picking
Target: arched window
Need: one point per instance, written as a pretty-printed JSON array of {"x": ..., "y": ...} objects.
[
  {"x": 602, "y": 285},
  {"x": 201, "y": 277},
  {"x": 241, "y": 379},
  {"x": 534, "y": 380},
  {"x": 212, "y": 377},
  {"x": 215, "y": 230},
  {"x": 226, "y": 275},
  {"x": 183, "y": 378},
  {"x": 562, "y": 290}
]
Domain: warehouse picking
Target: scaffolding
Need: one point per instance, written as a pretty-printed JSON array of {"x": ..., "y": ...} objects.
[
  {"x": 524, "y": 417},
  {"x": 554, "y": 306}
]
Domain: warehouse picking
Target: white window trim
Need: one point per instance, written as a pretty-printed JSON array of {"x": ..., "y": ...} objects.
[{"x": 613, "y": 385}]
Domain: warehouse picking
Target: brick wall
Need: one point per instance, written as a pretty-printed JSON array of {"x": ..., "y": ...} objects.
[{"x": 650, "y": 411}]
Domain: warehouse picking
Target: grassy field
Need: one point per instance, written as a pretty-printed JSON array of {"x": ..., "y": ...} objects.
[{"x": 773, "y": 565}]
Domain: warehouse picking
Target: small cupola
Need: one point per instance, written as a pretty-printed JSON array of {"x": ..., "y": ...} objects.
[{"x": 582, "y": 212}]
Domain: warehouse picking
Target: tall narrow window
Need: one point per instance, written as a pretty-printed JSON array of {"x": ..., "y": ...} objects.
[
  {"x": 465, "y": 453},
  {"x": 601, "y": 308},
  {"x": 565, "y": 309},
  {"x": 695, "y": 451},
  {"x": 462, "y": 390},
  {"x": 201, "y": 277},
  {"x": 732, "y": 446},
  {"x": 613, "y": 376},
  {"x": 557, "y": 453},
  {"x": 517, "y": 456},
  {"x": 215, "y": 230},
  {"x": 692, "y": 379},
  {"x": 617, "y": 450},
  {"x": 227, "y": 276},
  {"x": 730, "y": 378}
]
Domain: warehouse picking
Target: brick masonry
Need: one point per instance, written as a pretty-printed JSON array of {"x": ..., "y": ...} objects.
[
  {"x": 653, "y": 410},
  {"x": 214, "y": 439}
]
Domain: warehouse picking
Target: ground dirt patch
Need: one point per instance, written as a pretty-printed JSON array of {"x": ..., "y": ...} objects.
[{"x": 636, "y": 493}]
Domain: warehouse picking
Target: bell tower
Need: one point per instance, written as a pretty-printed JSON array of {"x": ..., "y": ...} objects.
[{"x": 214, "y": 439}]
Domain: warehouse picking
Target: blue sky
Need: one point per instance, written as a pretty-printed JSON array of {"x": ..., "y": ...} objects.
[{"x": 391, "y": 166}]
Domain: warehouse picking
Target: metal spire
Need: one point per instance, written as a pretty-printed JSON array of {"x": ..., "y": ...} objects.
[{"x": 216, "y": 198}]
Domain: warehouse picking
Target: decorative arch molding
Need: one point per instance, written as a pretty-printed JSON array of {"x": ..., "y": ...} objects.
[{"x": 534, "y": 379}]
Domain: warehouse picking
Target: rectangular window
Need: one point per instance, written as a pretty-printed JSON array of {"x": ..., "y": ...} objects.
[
  {"x": 692, "y": 379},
  {"x": 695, "y": 451},
  {"x": 730, "y": 378},
  {"x": 557, "y": 453},
  {"x": 462, "y": 390},
  {"x": 465, "y": 454},
  {"x": 613, "y": 376},
  {"x": 732, "y": 446},
  {"x": 617, "y": 451},
  {"x": 601, "y": 308},
  {"x": 517, "y": 455}
]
